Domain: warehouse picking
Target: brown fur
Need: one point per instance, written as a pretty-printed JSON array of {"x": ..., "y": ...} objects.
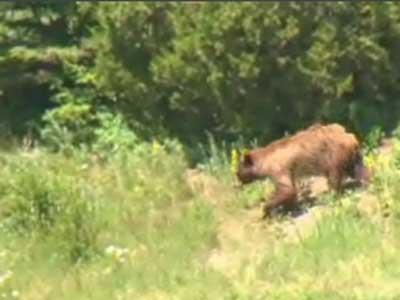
[{"x": 326, "y": 150}]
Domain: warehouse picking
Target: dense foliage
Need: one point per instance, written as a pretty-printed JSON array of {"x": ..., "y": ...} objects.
[{"x": 181, "y": 70}]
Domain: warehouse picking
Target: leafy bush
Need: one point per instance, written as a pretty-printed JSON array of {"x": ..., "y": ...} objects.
[
  {"x": 373, "y": 139},
  {"x": 113, "y": 135}
]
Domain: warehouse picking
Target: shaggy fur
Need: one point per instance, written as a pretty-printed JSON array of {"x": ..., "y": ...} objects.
[{"x": 326, "y": 150}]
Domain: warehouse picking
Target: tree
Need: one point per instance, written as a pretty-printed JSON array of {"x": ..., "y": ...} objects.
[{"x": 37, "y": 41}]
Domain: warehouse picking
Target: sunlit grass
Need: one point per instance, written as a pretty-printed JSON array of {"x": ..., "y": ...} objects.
[{"x": 132, "y": 227}]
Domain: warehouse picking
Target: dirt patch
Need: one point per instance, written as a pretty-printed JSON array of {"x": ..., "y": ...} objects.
[
  {"x": 210, "y": 189},
  {"x": 242, "y": 235},
  {"x": 241, "y": 238},
  {"x": 368, "y": 205},
  {"x": 244, "y": 238}
]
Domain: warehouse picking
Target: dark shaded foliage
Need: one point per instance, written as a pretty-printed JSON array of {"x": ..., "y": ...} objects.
[{"x": 183, "y": 70}]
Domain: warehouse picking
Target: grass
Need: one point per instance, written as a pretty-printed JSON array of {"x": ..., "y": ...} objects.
[{"x": 74, "y": 227}]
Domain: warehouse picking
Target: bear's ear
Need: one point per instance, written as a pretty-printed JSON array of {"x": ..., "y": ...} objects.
[{"x": 247, "y": 160}]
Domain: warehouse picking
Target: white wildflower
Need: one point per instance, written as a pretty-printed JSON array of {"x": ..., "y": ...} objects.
[
  {"x": 5, "y": 277},
  {"x": 118, "y": 253},
  {"x": 15, "y": 294}
]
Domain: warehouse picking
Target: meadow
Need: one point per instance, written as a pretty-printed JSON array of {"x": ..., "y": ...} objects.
[{"x": 143, "y": 224}]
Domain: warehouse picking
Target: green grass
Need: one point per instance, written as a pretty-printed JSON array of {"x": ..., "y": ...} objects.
[{"x": 73, "y": 227}]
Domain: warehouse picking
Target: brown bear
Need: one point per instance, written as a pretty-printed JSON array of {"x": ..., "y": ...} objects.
[{"x": 326, "y": 150}]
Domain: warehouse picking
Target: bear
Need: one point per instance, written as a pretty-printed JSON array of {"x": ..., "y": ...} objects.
[{"x": 320, "y": 150}]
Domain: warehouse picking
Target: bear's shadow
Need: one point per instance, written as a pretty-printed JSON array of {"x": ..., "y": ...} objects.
[{"x": 307, "y": 201}]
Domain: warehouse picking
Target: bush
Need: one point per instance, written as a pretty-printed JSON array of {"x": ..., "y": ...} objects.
[{"x": 373, "y": 139}]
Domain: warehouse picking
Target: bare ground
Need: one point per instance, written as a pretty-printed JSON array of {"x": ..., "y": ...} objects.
[{"x": 242, "y": 235}]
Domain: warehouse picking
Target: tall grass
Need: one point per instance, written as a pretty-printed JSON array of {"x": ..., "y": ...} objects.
[
  {"x": 131, "y": 219},
  {"x": 128, "y": 225}
]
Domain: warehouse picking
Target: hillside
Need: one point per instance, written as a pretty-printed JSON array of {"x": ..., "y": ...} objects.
[{"x": 143, "y": 225}]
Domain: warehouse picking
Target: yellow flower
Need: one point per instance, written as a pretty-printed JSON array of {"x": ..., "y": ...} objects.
[
  {"x": 156, "y": 147},
  {"x": 234, "y": 161},
  {"x": 370, "y": 161}
]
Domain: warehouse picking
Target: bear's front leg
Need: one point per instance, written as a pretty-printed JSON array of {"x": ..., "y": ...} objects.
[{"x": 285, "y": 195}]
